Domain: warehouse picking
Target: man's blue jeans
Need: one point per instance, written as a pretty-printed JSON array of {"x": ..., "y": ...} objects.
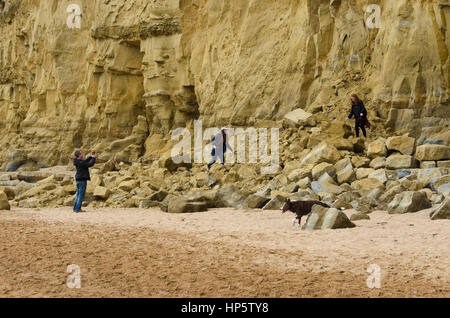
[{"x": 81, "y": 191}]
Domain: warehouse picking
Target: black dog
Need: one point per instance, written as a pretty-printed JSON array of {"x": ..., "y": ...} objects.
[{"x": 300, "y": 208}]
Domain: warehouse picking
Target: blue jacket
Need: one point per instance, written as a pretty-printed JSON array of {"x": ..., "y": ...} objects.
[{"x": 357, "y": 110}]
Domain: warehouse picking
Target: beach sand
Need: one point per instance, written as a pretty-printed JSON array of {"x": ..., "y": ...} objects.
[{"x": 219, "y": 253}]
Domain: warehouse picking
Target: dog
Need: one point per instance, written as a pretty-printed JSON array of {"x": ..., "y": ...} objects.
[{"x": 300, "y": 208}]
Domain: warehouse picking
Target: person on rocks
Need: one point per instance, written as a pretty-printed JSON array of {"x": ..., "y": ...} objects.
[
  {"x": 359, "y": 111},
  {"x": 219, "y": 147},
  {"x": 82, "y": 176}
]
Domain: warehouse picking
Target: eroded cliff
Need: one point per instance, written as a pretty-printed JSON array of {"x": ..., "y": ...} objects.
[{"x": 135, "y": 70}]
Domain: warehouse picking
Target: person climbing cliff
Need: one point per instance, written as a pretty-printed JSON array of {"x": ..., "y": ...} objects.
[
  {"x": 81, "y": 177},
  {"x": 219, "y": 147},
  {"x": 359, "y": 111}
]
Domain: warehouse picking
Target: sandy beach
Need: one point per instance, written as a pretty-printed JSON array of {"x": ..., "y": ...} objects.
[{"x": 219, "y": 253}]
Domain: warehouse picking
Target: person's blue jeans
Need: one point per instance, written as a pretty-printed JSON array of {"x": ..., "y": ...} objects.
[
  {"x": 81, "y": 191},
  {"x": 214, "y": 157}
]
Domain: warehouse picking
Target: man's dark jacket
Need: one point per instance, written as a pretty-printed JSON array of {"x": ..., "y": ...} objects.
[
  {"x": 357, "y": 110},
  {"x": 83, "y": 168}
]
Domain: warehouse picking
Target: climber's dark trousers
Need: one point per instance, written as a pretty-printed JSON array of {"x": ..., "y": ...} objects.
[{"x": 360, "y": 124}]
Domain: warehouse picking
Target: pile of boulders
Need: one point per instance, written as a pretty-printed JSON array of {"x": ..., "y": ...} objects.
[{"x": 392, "y": 174}]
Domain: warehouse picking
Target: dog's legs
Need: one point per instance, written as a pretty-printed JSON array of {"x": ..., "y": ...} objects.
[
  {"x": 299, "y": 221},
  {"x": 293, "y": 221}
]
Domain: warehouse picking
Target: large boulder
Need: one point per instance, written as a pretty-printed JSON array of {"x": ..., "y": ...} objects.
[
  {"x": 15, "y": 160},
  {"x": 326, "y": 184},
  {"x": 442, "y": 211},
  {"x": 128, "y": 185},
  {"x": 360, "y": 162},
  {"x": 275, "y": 203},
  {"x": 380, "y": 175},
  {"x": 229, "y": 197},
  {"x": 254, "y": 201},
  {"x": 397, "y": 161},
  {"x": 172, "y": 163},
  {"x": 158, "y": 196},
  {"x": 299, "y": 117},
  {"x": 344, "y": 171},
  {"x": 183, "y": 205},
  {"x": 323, "y": 152},
  {"x": 429, "y": 152},
  {"x": 377, "y": 148},
  {"x": 322, "y": 218},
  {"x": 441, "y": 184},
  {"x": 378, "y": 163},
  {"x": 364, "y": 186},
  {"x": 346, "y": 175},
  {"x": 409, "y": 201},
  {"x": 9, "y": 192},
  {"x": 389, "y": 195},
  {"x": 32, "y": 176},
  {"x": 4, "y": 204},
  {"x": 426, "y": 176},
  {"x": 102, "y": 192},
  {"x": 362, "y": 173},
  {"x": 403, "y": 144},
  {"x": 300, "y": 173},
  {"x": 322, "y": 168},
  {"x": 443, "y": 164}
]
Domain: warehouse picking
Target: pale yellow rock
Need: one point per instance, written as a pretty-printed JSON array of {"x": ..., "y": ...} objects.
[
  {"x": 128, "y": 185},
  {"x": 102, "y": 192},
  {"x": 362, "y": 173},
  {"x": 377, "y": 148},
  {"x": 397, "y": 161},
  {"x": 432, "y": 152},
  {"x": 322, "y": 153},
  {"x": 4, "y": 204},
  {"x": 403, "y": 144},
  {"x": 322, "y": 168},
  {"x": 364, "y": 186}
]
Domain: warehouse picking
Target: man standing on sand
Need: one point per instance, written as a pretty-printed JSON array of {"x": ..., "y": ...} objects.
[
  {"x": 219, "y": 147},
  {"x": 82, "y": 176}
]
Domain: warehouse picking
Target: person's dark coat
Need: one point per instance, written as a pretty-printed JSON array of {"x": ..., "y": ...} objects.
[
  {"x": 83, "y": 168},
  {"x": 357, "y": 110}
]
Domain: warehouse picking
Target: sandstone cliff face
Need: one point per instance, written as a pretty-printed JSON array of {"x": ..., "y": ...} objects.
[{"x": 135, "y": 70}]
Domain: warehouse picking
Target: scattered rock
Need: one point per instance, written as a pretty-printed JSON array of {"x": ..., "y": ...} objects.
[
  {"x": 275, "y": 203},
  {"x": 102, "y": 192},
  {"x": 377, "y": 148},
  {"x": 322, "y": 168},
  {"x": 183, "y": 205},
  {"x": 442, "y": 211},
  {"x": 402, "y": 144},
  {"x": 229, "y": 197},
  {"x": 409, "y": 201},
  {"x": 322, "y": 218},
  {"x": 326, "y": 184},
  {"x": 364, "y": 186},
  {"x": 429, "y": 152},
  {"x": 397, "y": 161},
  {"x": 4, "y": 204},
  {"x": 299, "y": 117},
  {"x": 322, "y": 153},
  {"x": 255, "y": 201}
]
